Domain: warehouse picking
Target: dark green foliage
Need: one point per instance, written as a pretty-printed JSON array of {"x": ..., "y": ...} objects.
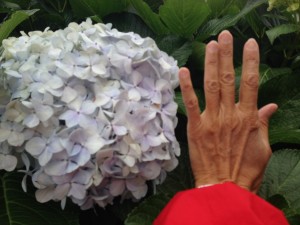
[
  {"x": 181, "y": 28},
  {"x": 18, "y": 207}
]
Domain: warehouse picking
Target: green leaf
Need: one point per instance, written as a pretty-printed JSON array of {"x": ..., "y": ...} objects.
[
  {"x": 129, "y": 22},
  {"x": 184, "y": 17},
  {"x": 281, "y": 30},
  {"x": 16, "y": 18},
  {"x": 154, "y": 4},
  {"x": 20, "y": 208},
  {"x": 176, "y": 46},
  {"x": 284, "y": 135},
  {"x": 213, "y": 27},
  {"x": 147, "y": 210},
  {"x": 282, "y": 177},
  {"x": 149, "y": 17},
  {"x": 179, "y": 101},
  {"x": 183, "y": 53},
  {"x": 285, "y": 91},
  {"x": 267, "y": 73},
  {"x": 100, "y": 8}
]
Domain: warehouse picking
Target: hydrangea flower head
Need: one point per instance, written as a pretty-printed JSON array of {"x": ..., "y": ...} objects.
[{"x": 93, "y": 107}]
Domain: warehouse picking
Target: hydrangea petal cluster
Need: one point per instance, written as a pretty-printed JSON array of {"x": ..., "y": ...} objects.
[{"x": 93, "y": 107}]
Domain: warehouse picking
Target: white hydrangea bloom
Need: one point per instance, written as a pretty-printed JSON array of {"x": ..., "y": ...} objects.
[{"x": 94, "y": 108}]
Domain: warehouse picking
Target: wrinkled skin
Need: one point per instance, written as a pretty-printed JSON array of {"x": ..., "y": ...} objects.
[{"x": 228, "y": 141}]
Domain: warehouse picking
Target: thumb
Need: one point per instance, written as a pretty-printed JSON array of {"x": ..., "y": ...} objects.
[{"x": 266, "y": 112}]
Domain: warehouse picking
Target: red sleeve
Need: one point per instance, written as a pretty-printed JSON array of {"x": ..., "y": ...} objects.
[{"x": 221, "y": 204}]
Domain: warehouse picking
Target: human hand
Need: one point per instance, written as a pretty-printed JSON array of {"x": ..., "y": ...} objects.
[{"x": 228, "y": 141}]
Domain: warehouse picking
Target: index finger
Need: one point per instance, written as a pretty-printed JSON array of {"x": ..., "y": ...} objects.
[{"x": 189, "y": 96}]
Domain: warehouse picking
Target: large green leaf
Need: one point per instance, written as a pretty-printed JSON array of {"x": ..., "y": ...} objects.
[
  {"x": 149, "y": 17},
  {"x": 129, "y": 22},
  {"x": 99, "y": 8},
  {"x": 267, "y": 73},
  {"x": 213, "y": 27},
  {"x": 281, "y": 30},
  {"x": 16, "y": 18},
  {"x": 282, "y": 177},
  {"x": 285, "y": 91},
  {"x": 179, "y": 179},
  {"x": 19, "y": 208},
  {"x": 177, "y": 47},
  {"x": 284, "y": 135},
  {"x": 184, "y": 17},
  {"x": 148, "y": 210}
]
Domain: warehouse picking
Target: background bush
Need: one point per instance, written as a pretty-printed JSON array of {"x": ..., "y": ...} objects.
[{"x": 181, "y": 28}]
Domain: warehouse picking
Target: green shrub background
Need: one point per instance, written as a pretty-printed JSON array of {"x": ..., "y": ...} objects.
[{"x": 181, "y": 28}]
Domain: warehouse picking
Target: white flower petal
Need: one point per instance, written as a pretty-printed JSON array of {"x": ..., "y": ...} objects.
[
  {"x": 44, "y": 112},
  {"x": 61, "y": 191},
  {"x": 35, "y": 146},
  {"x": 45, "y": 157},
  {"x": 15, "y": 139},
  {"x": 44, "y": 195},
  {"x": 78, "y": 191},
  {"x": 4, "y": 134},
  {"x": 116, "y": 187},
  {"x": 95, "y": 143},
  {"x": 68, "y": 95},
  {"x": 134, "y": 95},
  {"x": 8, "y": 162}
]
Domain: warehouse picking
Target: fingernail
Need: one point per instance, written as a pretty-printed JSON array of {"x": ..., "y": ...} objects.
[
  {"x": 225, "y": 37},
  {"x": 212, "y": 46},
  {"x": 251, "y": 44},
  {"x": 183, "y": 73}
]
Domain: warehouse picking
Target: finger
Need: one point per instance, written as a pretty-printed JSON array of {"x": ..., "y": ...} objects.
[
  {"x": 226, "y": 70},
  {"x": 250, "y": 76},
  {"x": 189, "y": 97},
  {"x": 264, "y": 115},
  {"x": 211, "y": 80}
]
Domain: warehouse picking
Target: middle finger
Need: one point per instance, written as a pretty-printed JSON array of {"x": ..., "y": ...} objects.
[{"x": 226, "y": 71}]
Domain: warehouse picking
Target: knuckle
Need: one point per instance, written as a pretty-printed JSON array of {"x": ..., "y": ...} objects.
[
  {"x": 252, "y": 63},
  {"x": 252, "y": 81},
  {"x": 226, "y": 52},
  {"x": 186, "y": 87},
  {"x": 211, "y": 61},
  {"x": 191, "y": 103},
  {"x": 228, "y": 78},
  {"x": 212, "y": 86},
  {"x": 228, "y": 121}
]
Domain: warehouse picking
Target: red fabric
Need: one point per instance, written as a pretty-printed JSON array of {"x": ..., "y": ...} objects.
[{"x": 221, "y": 204}]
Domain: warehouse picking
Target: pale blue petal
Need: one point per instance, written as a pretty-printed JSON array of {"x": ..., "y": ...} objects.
[
  {"x": 31, "y": 121},
  {"x": 56, "y": 168},
  {"x": 78, "y": 191},
  {"x": 71, "y": 118},
  {"x": 45, "y": 157},
  {"x": 119, "y": 130}
]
